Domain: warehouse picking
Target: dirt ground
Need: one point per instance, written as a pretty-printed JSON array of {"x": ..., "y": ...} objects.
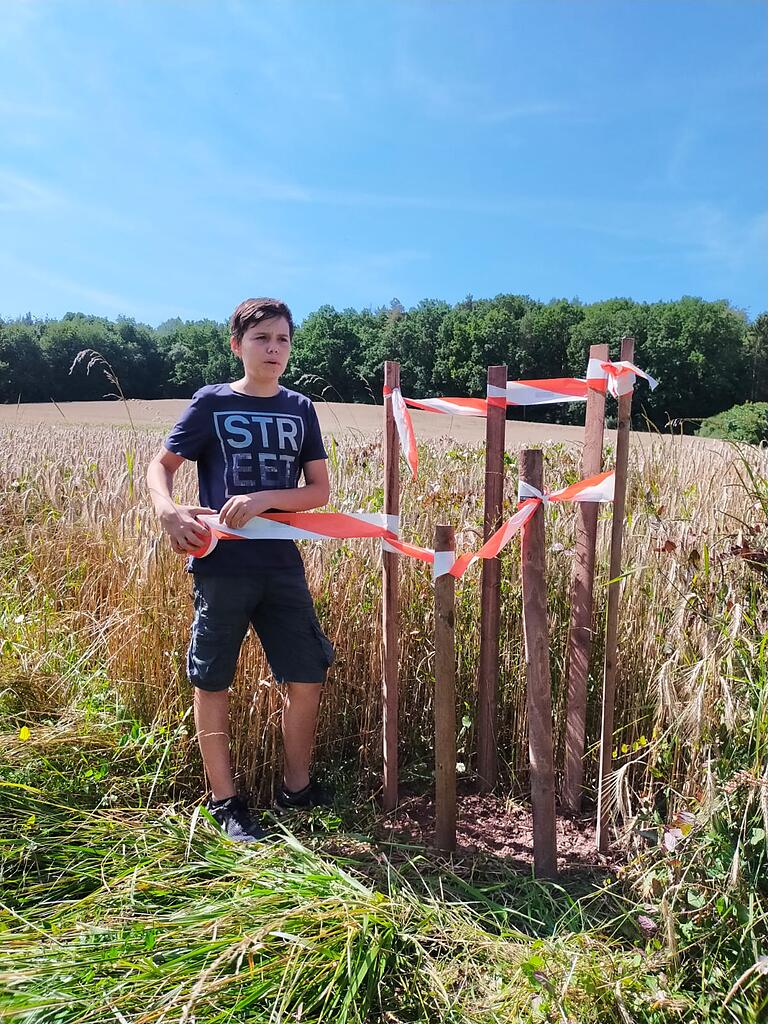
[
  {"x": 488, "y": 826},
  {"x": 336, "y": 420}
]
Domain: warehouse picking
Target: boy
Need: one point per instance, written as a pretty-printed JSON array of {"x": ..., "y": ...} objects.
[{"x": 251, "y": 440}]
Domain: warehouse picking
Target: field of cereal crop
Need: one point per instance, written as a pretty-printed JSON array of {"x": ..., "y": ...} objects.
[{"x": 110, "y": 890}]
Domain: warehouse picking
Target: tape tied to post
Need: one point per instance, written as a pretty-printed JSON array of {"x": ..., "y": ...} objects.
[
  {"x": 404, "y": 426},
  {"x": 618, "y": 377}
]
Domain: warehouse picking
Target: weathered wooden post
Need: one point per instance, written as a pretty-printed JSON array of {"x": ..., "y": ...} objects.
[
  {"x": 490, "y": 593},
  {"x": 445, "y": 696},
  {"x": 539, "y": 686},
  {"x": 390, "y": 609},
  {"x": 582, "y": 589},
  {"x": 614, "y": 593}
]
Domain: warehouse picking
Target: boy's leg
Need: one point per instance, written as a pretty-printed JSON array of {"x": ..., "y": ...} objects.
[
  {"x": 212, "y": 724},
  {"x": 300, "y": 706},
  {"x": 299, "y": 654},
  {"x": 220, "y": 623}
]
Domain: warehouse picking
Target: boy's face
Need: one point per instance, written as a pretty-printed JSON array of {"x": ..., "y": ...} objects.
[{"x": 265, "y": 348}]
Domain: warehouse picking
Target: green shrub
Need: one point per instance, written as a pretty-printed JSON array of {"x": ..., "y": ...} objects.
[{"x": 747, "y": 422}]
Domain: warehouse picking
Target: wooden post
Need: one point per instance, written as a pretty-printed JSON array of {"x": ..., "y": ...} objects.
[
  {"x": 390, "y": 609},
  {"x": 488, "y": 674},
  {"x": 582, "y": 587},
  {"x": 614, "y": 593},
  {"x": 538, "y": 681},
  {"x": 445, "y": 701}
]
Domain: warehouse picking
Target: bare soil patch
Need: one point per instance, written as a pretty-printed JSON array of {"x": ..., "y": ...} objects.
[{"x": 487, "y": 826}]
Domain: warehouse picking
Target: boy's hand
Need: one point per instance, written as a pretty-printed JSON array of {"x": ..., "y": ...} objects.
[
  {"x": 239, "y": 509},
  {"x": 183, "y": 529}
]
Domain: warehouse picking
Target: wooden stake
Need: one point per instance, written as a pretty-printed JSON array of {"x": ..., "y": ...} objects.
[
  {"x": 488, "y": 674},
  {"x": 445, "y": 700},
  {"x": 390, "y": 609},
  {"x": 582, "y": 588},
  {"x": 614, "y": 593},
  {"x": 539, "y": 686}
]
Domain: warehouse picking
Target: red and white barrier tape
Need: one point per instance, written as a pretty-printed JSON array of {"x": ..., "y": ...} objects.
[
  {"x": 539, "y": 392},
  {"x": 450, "y": 406},
  {"x": 313, "y": 526},
  {"x": 619, "y": 376},
  {"x": 302, "y": 526},
  {"x": 616, "y": 378},
  {"x": 404, "y": 426},
  {"x": 360, "y": 525},
  {"x": 594, "y": 488}
]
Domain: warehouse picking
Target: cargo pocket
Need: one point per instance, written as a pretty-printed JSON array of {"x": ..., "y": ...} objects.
[{"x": 329, "y": 655}]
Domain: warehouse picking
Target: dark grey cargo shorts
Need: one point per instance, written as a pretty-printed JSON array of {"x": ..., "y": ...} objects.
[{"x": 279, "y": 607}]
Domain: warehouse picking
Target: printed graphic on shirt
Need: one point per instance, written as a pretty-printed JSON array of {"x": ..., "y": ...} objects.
[{"x": 260, "y": 449}]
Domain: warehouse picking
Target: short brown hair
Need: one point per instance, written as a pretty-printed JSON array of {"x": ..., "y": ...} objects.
[{"x": 253, "y": 311}]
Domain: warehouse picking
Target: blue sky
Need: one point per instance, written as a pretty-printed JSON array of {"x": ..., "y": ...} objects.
[{"x": 171, "y": 158}]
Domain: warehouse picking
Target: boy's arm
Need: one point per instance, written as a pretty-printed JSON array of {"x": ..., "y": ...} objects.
[
  {"x": 178, "y": 521},
  {"x": 314, "y": 494}
]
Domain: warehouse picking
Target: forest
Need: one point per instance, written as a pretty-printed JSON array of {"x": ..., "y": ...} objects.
[{"x": 709, "y": 355}]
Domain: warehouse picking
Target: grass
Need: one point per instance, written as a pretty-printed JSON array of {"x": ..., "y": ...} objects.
[
  {"x": 119, "y": 902},
  {"x": 134, "y": 913},
  {"x": 115, "y": 910}
]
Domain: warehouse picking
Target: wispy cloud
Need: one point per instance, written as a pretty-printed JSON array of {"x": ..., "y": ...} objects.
[
  {"x": 378, "y": 275},
  {"x": 702, "y": 231},
  {"x": 453, "y": 97},
  {"x": 287, "y": 60},
  {"x": 22, "y": 194},
  {"x": 24, "y": 110},
  {"x": 517, "y": 111},
  {"x": 348, "y": 264},
  {"x": 66, "y": 287},
  {"x": 286, "y": 192},
  {"x": 19, "y": 18}
]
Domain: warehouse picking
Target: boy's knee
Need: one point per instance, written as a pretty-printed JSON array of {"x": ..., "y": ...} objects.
[
  {"x": 201, "y": 688},
  {"x": 303, "y": 691}
]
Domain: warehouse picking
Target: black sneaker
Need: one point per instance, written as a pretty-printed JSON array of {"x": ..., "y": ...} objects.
[
  {"x": 313, "y": 795},
  {"x": 236, "y": 820}
]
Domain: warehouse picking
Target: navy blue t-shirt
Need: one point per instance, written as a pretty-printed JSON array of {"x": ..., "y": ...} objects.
[{"x": 243, "y": 444}]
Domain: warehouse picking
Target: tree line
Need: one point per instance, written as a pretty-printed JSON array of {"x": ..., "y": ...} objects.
[{"x": 708, "y": 355}]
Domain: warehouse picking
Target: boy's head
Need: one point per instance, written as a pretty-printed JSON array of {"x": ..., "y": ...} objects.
[
  {"x": 253, "y": 311},
  {"x": 261, "y": 335}
]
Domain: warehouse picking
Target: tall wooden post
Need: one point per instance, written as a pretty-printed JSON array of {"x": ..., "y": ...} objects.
[
  {"x": 490, "y": 594},
  {"x": 614, "y": 593},
  {"x": 582, "y": 588},
  {"x": 538, "y": 680},
  {"x": 445, "y": 700},
  {"x": 390, "y": 609}
]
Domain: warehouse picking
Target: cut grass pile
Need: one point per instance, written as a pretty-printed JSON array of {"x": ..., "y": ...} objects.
[{"x": 143, "y": 915}]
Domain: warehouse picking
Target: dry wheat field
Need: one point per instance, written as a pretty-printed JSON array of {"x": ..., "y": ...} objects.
[{"x": 75, "y": 500}]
